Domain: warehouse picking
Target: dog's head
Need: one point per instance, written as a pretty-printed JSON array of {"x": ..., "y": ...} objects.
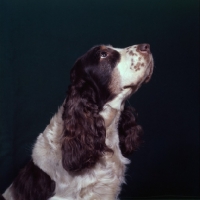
[
  {"x": 112, "y": 70},
  {"x": 98, "y": 77}
]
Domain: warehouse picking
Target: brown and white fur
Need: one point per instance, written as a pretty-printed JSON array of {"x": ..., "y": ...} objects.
[{"x": 81, "y": 155}]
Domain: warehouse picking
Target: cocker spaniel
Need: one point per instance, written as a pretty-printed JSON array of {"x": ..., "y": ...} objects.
[{"x": 82, "y": 153}]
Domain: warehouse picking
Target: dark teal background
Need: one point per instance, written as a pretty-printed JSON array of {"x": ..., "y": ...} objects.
[{"x": 40, "y": 41}]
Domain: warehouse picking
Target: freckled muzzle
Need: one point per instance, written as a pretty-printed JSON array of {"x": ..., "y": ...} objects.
[
  {"x": 144, "y": 49},
  {"x": 141, "y": 57},
  {"x": 134, "y": 68}
]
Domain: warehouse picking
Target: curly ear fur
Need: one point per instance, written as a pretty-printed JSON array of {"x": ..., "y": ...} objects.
[
  {"x": 84, "y": 130},
  {"x": 129, "y": 132}
]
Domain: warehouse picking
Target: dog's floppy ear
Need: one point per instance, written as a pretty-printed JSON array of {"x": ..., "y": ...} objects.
[
  {"x": 83, "y": 141},
  {"x": 129, "y": 131}
]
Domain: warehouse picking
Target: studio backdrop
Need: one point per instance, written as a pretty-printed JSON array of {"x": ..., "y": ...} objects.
[{"x": 41, "y": 40}]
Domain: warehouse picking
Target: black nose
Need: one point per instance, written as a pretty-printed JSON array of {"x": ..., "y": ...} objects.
[{"x": 143, "y": 48}]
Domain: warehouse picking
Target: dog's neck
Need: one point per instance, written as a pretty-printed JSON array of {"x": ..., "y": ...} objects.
[
  {"x": 109, "y": 114},
  {"x": 112, "y": 109}
]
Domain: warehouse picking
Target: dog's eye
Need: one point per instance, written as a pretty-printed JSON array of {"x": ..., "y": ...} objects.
[{"x": 103, "y": 54}]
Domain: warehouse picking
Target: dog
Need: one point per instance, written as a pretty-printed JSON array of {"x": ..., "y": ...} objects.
[{"x": 82, "y": 153}]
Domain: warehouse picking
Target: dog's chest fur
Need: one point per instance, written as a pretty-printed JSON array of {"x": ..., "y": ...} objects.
[{"x": 104, "y": 179}]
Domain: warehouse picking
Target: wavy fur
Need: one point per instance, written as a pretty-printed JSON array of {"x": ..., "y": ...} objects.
[
  {"x": 130, "y": 133},
  {"x": 84, "y": 129}
]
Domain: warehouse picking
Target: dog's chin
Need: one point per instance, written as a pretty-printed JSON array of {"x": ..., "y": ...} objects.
[
  {"x": 150, "y": 67},
  {"x": 148, "y": 78},
  {"x": 132, "y": 88}
]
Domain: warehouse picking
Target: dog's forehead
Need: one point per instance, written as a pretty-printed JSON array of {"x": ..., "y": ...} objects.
[
  {"x": 113, "y": 48},
  {"x": 109, "y": 48},
  {"x": 103, "y": 47},
  {"x": 106, "y": 47}
]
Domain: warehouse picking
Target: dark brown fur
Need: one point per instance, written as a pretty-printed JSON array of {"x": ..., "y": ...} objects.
[
  {"x": 129, "y": 131},
  {"x": 33, "y": 184},
  {"x": 84, "y": 135},
  {"x": 1, "y": 197},
  {"x": 84, "y": 132}
]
